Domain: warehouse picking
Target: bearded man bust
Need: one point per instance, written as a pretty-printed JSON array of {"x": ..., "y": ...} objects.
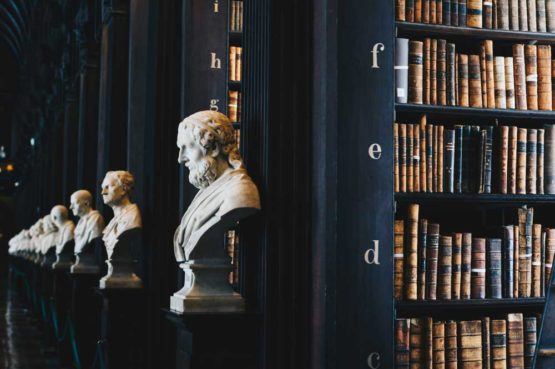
[
  {"x": 64, "y": 242},
  {"x": 208, "y": 148}
]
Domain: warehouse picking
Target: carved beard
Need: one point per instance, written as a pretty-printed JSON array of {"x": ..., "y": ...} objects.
[{"x": 203, "y": 172}]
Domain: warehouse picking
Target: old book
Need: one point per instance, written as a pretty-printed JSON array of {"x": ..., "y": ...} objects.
[
  {"x": 478, "y": 275},
  {"x": 440, "y": 159},
  {"x": 486, "y": 354},
  {"x": 428, "y": 343},
  {"x": 409, "y": 10},
  {"x": 462, "y": 13},
  {"x": 446, "y": 15},
  {"x": 466, "y": 266},
  {"x": 475, "y": 82},
  {"x": 402, "y": 343},
  {"x": 515, "y": 341},
  {"x": 441, "y": 72},
  {"x": 502, "y": 12},
  {"x": 545, "y": 99},
  {"x": 411, "y": 253},
  {"x": 484, "y": 75},
  {"x": 549, "y": 159},
  {"x": 410, "y": 151},
  {"x": 512, "y": 169},
  {"x": 398, "y": 258},
  {"x": 532, "y": 20},
  {"x": 503, "y": 159},
  {"x": 537, "y": 260},
  {"x": 467, "y": 156},
  {"x": 426, "y": 11},
  {"x": 500, "y": 83},
  {"x": 430, "y": 158},
  {"x": 550, "y": 15},
  {"x": 415, "y": 71},
  {"x": 396, "y": 171},
  {"x": 423, "y": 158},
  {"x": 426, "y": 77},
  {"x": 523, "y": 15},
  {"x": 463, "y": 80},
  {"x": 470, "y": 344},
  {"x": 436, "y": 158},
  {"x": 520, "y": 77},
  {"x": 510, "y": 83},
  {"x": 433, "y": 73},
  {"x": 458, "y": 158},
  {"x": 525, "y": 220},
  {"x": 531, "y": 161},
  {"x": 401, "y": 69},
  {"x": 449, "y": 157},
  {"x": 444, "y": 268},
  {"x": 494, "y": 269},
  {"x": 513, "y": 17},
  {"x": 488, "y": 159},
  {"x": 549, "y": 254},
  {"x": 474, "y": 13},
  {"x": 422, "y": 254},
  {"x": 530, "y": 58},
  {"x": 233, "y": 106},
  {"x": 416, "y": 157},
  {"x": 432, "y": 252},
  {"x": 439, "y": 11},
  {"x": 530, "y": 340},
  {"x": 498, "y": 344},
  {"x": 451, "y": 357},
  {"x": 433, "y": 17},
  {"x": 416, "y": 343},
  {"x": 521, "y": 161},
  {"x": 542, "y": 20},
  {"x": 508, "y": 261},
  {"x": 417, "y": 11},
  {"x": 543, "y": 256},
  {"x": 540, "y": 162},
  {"x": 487, "y": 11},
  {"x": 490, "y": 75},
  {"x": 439, "y": 345},
  {"x": 450, "y": 76},
  {"x": 232, "y": 63},
  {"x": 516, "y": 262},
  {"x": 456, "y": 266},
  {"x": 455, "y": 13}
]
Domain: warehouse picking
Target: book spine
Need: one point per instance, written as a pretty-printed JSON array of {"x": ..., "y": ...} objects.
[
  {"x": 523, "y": 15},
  {"x": 499, "y": 344},
  {"x": 531, "y": 63},
  {"x": 449, "y": 160},
  {"x": 500, "y": 83},
  {"x": 478, "y": 275},
  {"x": 463, "y": 80},
  {"x": 503, "y": 157},
  {"x": 515, "y": 341},
  {"x": 543, "y": 256},
  {"x": 439, "y": 345},
  {"x": 432, "y": 251},
  {"x": 433, "y": 73},
  {"x": 423, "y": 155},
  {"x": 525, "y": 217},
  {"x": 549, "y": 255},
  {"x": 466, "y": 265},
  {"x": 540, "y": 162},
  {"x": 401, "y": 69},
  {"x": 512, "y": 169},
  {"x": 416, "y": 157},
  {"x": 549, "y": 158},
  {"x": 536, "y": 260},
  {"x": 542, "y": 20},
  {"x": 510, "y": 83},
  {"x": 456, "y": 266},
  {"x": 433, "y": 12},
  {"x": 467, "y": 153},
  {"x": 550, "y": 15},
  {"x": 532, "y": 20},
  {"x": 458, "y": 158},
  {"x": 490, "y": 75},
  {"x": 516, "y": 262},
  {"x": 486, "y": 359},
  {"x": 488, "y": 159},
  {"x": 494, "y": 268},
  {"x": 426, "y": 11},
  {"x": 410, "y": 161},
  {"x": 409, "y": 10},
  {"x": 503, "y": 14},
  {"x": 521, "y": 161},
  {"x": 531, "y": 161},
  {"x": 514, "y": 18},
  {"x": 402, "y": 344},
  {"x": 396, "y": 186},
  {"x": 475, "y": 82},
  {"x": 430, "y": 157},
  {"x": 545, "y": 97},
  {"x": 520, "y": 77},
  {"x": 418, "y": 11},
  {"x": 450, "y": 77},
  {"x": 444, "y": 268},
  {"x": 441, "y": 72},
  {"x": 416, "y": 353},
  {"x": 530, "y": 340},
  {"x": 398, "y": 258},
  {"x": 446, "y": 7},
  {"x": 426, "y": 77},
  {"x": 436, "y": 158},
  {"x": 415, "y": 71},
  {"x": 484, "y": 75},
  {"x": 462, "y": 13},
  {"x": 476, "y": 162},
  {"x": 422, "y": 246},
  {"x": 470, "y": 344},
  {"x": 454, "y": 13},
  {"x": 451, "y": 357},
  {"x": 508, "y": 261},
  {"x": 440, "y": 159},
  {"x": 439, "y": 11},
  {"x": 474, "y": 13},
  {"x": 429, "y": 343},
  {"x": 487, "y": 11},
  {"x": 411, "y": 253}
]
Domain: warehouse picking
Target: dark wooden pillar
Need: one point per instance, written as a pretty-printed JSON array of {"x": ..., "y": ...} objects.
[{"x": 70, "y": 145}]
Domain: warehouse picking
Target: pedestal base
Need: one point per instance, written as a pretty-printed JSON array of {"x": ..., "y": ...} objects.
[
  {"x": 85, "y": 264},
  {"x": 219, "y": 304}
]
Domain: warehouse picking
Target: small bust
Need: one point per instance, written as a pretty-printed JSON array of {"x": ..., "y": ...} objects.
[
  {"x": 50, "y": 235},
  {"x": 91, "y": 222},
  {"x": 208, "y": 148},
  {"x": 60, "y": 218},
  {"x": 116, "y": 191},
  {"x": 36, "y": 232}
]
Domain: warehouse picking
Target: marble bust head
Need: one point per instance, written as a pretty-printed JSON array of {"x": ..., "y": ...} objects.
[
  {"x": 60, "y": 217},
  {"x": 81, "y": 203},
  {"x": 91, "y": 222}
]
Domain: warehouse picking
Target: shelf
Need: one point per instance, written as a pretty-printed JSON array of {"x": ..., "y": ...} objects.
[
  {"x": 431, "y": 198},
  {"x": 475, "y": 112},
  {"x": 234, "y": 85},
  {"x": 237, "y": 125},
  {"x": 491, "y": 306},
  {"x": 475, "y": 33}
]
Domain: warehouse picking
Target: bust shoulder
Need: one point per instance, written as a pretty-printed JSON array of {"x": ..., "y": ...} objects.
[{"x": 241, "y": 193}]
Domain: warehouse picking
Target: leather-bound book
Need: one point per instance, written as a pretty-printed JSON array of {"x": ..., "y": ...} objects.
[
  {"x": 416, "y": 343},
  {"x": 549, "y": 158},
  {"x": 456, "y": 266},
  {"x": 423, "y": 158},
  {"x": 543, "y": 256},
  {"x": 531, "y": 161},
  {"x": 475, "y": 82},
  {"x": 470, "y": 344},
  {"x": 516, "y": 262},
  {"x": 422, "y": 254},
  {"x": 451, "y": 345},
  {"x": 513, "y": 16},
  {"x": 545, "y": 97},
  {"x": 430, "y": 158},
  {"x": 429, "y": 343},
  {"x": 478, "y": 275},
  {"x": 508, "y": 261},
  {"x": 396, "y": 171},
  {"x": 510, "y": 83},
  {"x": 401, "y": 69},
  {"x": 444, "y": 268},
  {"x": 503, "y": 159},
  {"x": 474, "y": 13},
  {"x": 515, "y": 341},
  {"x": 540, "y": 162},
  {"x": 455, "y": 13},
  {"x": 449, "y": 157},
  {"x": 433, "y": 11},
  {"x": 427, "y": 65},
  {"x": 402, "y": 343},
  {"x": 451, "y": 94},
  {"x": 432, "y": 252},
  {"x": 458, "y": 158},
  {"x": 400, "y": 10},
  {"x": 525, "y": 221},
  {"x": 463, "y": 80},
  {"x": 467, "y": 154},
  {"x": 398, "y": 258},
  {"x": 439, "y": 345},
  {"x": 466, "y": 265},
  {"x": 523, "y": 15},
  {"x": 436, "y": 158},
  {"x": 433, "y": 72},
  {"x": 439, "y": 11},
  {"x": 531, "y": 61},
  {"x": 498, "y": 344},
  {"x": 416, "y": 49},
  {"x": 462, "y": 13},
  {"x": 484, "y": 75},
  {"x": 418, "y": 11},
  {"x": 426, "y": 11},
  {"x": 532, "y": 20},
  {"x": 549, "y": 254},
  {"x": 441, "y": 72},
  {"x": 520, "y": 77},
  {"x": 502, "y": 12},
  {"x": 488, "y": 159},
  {"x": 500, "y": 83},
  {"x": 409, "y": 10},
  {"x": 411, "y": 253},
  {"x": 446, "y": 15},
  {"x": 488, "y": 14},
  {"x": 512, "y": 168},
  {"x": 521, "y": 161},
  {"x": 475, "y": 161},
  {"x": 550, "y": 15},
  {"x": 410, "y": 166},
  {"x": 416, "y": 157},
  {"x": 486, "y": 354},
  {"x": 490, "y": 75},
  {"x": 440, "y": 159},
  {"x": 494, "y": 269},
  {"x": 530, "y": 340},
  {"x": 537, "y": 260},
  {"x": 542, "y": 20}
]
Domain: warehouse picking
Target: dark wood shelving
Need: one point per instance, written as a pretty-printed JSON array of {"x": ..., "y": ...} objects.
[
  {"x": 430, "y": 198},
  {"x": 475, "y": 33},
  {"x": 475, "y": 112}
]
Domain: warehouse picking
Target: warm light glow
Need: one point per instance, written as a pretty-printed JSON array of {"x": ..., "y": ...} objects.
[{"x": 9, "y": 167}]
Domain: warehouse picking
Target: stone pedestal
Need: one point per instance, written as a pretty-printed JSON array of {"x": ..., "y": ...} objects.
[
  {"x": 86, "y": 261},
  {"x": 49, "y": 258},
  {"x": 123, "y": 264},
  {"x": 64, "y": 259},
  {"x": 59, "y": 311}
]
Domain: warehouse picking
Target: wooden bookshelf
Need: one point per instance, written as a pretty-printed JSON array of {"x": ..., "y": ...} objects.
[
  {"x": 465, "y": 112},
  {"x": 434, "y": 198}
]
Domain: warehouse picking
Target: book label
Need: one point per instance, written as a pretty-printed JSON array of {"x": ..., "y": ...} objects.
[
  {"x": 373, "y": 360},
  {"x": 375, "y": 151},
  {"x": 376, "y": 49},
  {"x": 371, "y": 256}
]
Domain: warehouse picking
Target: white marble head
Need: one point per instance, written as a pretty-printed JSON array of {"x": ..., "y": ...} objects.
[
  {"x": 117, "y": 187},
  {"x": 59, "y": 215},
  {"x": 48, "y": 224},
  {"x": 81, "y": 203},
  {"x": 207, "y": 147}
]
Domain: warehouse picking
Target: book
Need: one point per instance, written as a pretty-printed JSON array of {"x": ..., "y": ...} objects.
[
  {"x": 530, "y": 340},
  {"x": 446, "y": 15},
  {"x": 426, "y": 11},
  {"x": 494, "y": 270},
  {"x": 520, "y": 77},
  {"x": 475, "y": 82},
  {"x": 401, "y": 69},
  {"x": 233, "y": 106},
  {"x": 525, "y": 220},
  {"x": 455, "y": 13},
  {"x": 484, "y": 75},
  {"x": 442, "y": 72},
  {"x": 451, "y": 357},
  {"x": 516, "y": 262},
  {"x": 415, "y": 72},
  {"x": 543, "y": 260},
  {"x": 490, "y": 75},
  {"x": 402, "y": 157},
  {"x": 433, "y": 11},
  {"x": 540, "y": 162},
  {"x": 486, "y": 359},
  {"x": 432, "y": 253},
  {"x": 416, "y": 343},
  {"x": 549, "y": 254},
  {"x": 449, "y": 157},
  {"x": 515, "y": 341},
  {"x": 402, "y": 344},
  {"x": 398, "y": 258},
  {"x": 508, "y": 261},
  {"x": 426, "y": 77},
  {"x": 416, "y": 157},
  {"x": 500, "y": 83},
  {"x": 537, "y": 260},
  {"x": 523, "y": 15},
  {"x": 439, "y": 11},
  {"x": 396, "y": 172},
  {"x": 470, "y": 344},
  {"x": 433, "y": 72},
  {"x": 409, "y": 10},
  {"x": 456, "y": 266},
  {"x": 510, "y": 83},
  {"x": 410, "y": 162},
  {"x": 467, "y": 153},
  {"x": 498, "y": 344},
  {"x": 531, "y": 161},
  {"x": 512, "y": 166},
  {"x": 444, "y": 268},
  {"x": 423, "y": 155},
  {"x": 487, "y": 14},
  {"x": 239, "y": 64},
  {"x": 549, "y": 159},
  {"x": 451, "y": 95},
  {"x": 531, "y": 64},
  {"x": 428, "y": 343},
  {"x": 475, "y": 173},
  {"x": 417, "y": 11},
  {"x": 436, "y": 159},
  {"x": 514, "y": 17},
  {"x": 478, "y": 274},
  {"x": 542, "y": 20},
  {"x": 422, "y": 255},
  {"x": 521, "y": 161},
  {"x": 462, "y": 13},
  {"x": 474, "y": 13},
  {"x": 463, "y": 91},
  {"x": 440, "y": 158},
  {"x": 503, "y": 14},
  {"x": 232, "y": 63},
  {"x": 439, "y": 344},
  {"x": 458, "y": 158},
  {"x": 466, "y": 266},
  {"x": 550, "y": 15},
  {"x": 488, "y": 159},
  {"x": 544, "y": 87},
  {"x": 503, "y": 158},
  {"x": 532, "y": 20},
  {"x": 430, "y": 158},
  {"x": 411, "y": 253}
]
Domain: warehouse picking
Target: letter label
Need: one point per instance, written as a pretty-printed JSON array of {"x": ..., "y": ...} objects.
[
  {"x": 372, "y": 255},
  {"x": 215, "y": 63},
  {"x": 376, "y": 49},
  {"x": 375, "y": 151},
  {"x": 374, "y": 360},
  {"x": 214, "y": 104}
]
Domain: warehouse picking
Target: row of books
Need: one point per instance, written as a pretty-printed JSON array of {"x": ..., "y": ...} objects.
[
  {"x": 234, "y": 106},
  {"x": 236, "y": 19},
  {"x": 235, "y": 63},
  {"x": 425, "y": 343},
  {"x": 516, "y": 15},
  {"x": 429, "y": 265},
  {"x": 232, "y": 248},
  {"x": 432, "y": 72},
  {"x": 473, "y": 159}
]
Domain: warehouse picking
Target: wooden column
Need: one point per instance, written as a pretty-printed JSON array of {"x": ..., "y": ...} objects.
[{"x": 70, "y": 145}]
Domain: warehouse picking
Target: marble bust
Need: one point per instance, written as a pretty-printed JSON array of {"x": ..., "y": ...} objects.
[
  {"x": 116, "y": 192},
  {"x": 207, "y": 147},
  {"x": 64, "y": 244},
  {"x": 88, "y": 229},
  {"x": 50, "y": 235}
]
